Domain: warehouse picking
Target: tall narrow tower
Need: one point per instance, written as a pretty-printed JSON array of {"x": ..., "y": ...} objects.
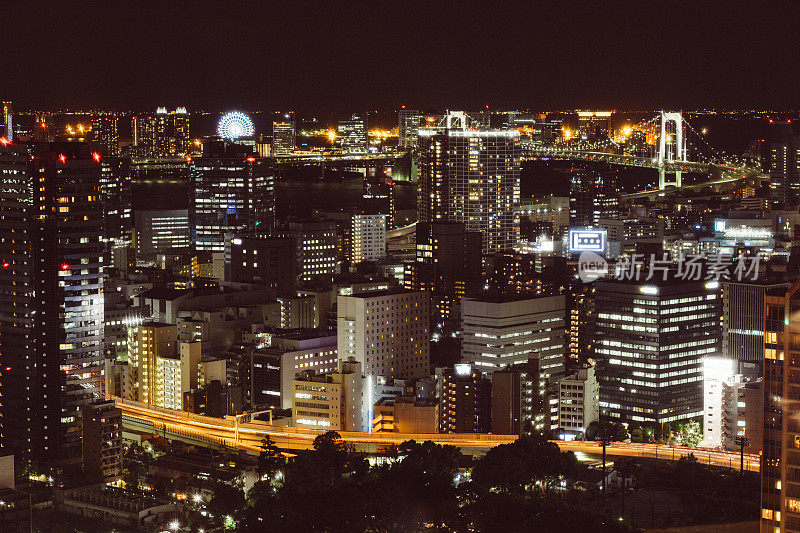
[
  {"x": 8, "y": 124},
  {"x": 51, "y": 297}
]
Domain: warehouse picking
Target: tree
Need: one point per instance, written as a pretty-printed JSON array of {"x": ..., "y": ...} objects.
[
  {"x": 690, "y": 433},
  {"x": 613, "y": 430},
  {"x": 529, "y": 461},
  {"x": 270, "y": 459},
  {"x": 226, "y": 502},
  {"x": 418, "y": 488},
  {"x": 642, "y": 434},
  {"x": 135, "y": 465}
]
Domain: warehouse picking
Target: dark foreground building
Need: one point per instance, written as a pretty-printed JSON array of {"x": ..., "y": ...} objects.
[{"x": 51, "y": 299}]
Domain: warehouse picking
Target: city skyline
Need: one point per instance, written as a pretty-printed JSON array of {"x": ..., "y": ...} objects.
[{"x": 396, "y": 267}]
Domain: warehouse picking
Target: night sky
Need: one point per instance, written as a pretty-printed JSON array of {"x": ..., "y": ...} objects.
[{"x": 334, "y": 56}]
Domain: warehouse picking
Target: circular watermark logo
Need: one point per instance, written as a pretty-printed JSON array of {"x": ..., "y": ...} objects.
[{"x": 591, "y": 266}]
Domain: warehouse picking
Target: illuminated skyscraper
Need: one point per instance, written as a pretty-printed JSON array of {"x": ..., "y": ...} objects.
[
  {"x": 352, "y": 134},
  {"x": 7, "y": 122},
  {"x": 448, "y": 263},
  {"x": 783, "y": 163},
  {"x": 115, "y": 185},
  {"x": 780, "y": 458},
  {"x": 105, "y": 133},
  {"x": 283, "y": 134},
  {"x": 408, "y": 123},
  {"x": 596, "y": 125},
  {"x": 161, "y": 231},
  {"x": 143, "y": 130},
  {"x": 317, "y": 248},
  {"x": 650, "y": 340},
  {"x": 234, "y": 195},
  {"x": 171, "y": 132},
  {"x": 369, "y": 238},
  {"x": 388, "y": 332},
  {"x": 51, "y": 298},
  {"x": 593, "y": 194},
  {"x": 471, "y": 176}
]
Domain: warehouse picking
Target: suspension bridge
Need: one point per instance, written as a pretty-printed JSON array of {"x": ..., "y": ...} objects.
[{"x": 667, "y": 143}]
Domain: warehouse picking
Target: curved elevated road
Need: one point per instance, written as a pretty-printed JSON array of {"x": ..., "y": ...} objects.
[{"x": 247, "y": 436}]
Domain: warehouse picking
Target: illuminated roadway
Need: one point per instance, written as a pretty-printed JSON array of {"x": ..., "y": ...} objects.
[
  {"x": 247, "y": 436},
  {"x": 728, "y": 174}
]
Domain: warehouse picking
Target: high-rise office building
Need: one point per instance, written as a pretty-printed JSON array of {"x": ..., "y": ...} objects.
[
  {"x": 352, "y": 134},
  {"x": 511, "y": 272},
  {"x": 387, "y": 331},
  {"x": 115, "y": 186},
  {"x": 782, "y": 161},
  {"x": 283, "y": 134},
  {"x": 408, "y": 123},
  {"x": 143, "y": 133},
  {"x": 448, "y": 263},
  {"x": 780, "y": 460},
  {"x": 448, "y": 258},
  {"x": 593, "y": 194},
  {"x": 743, "y": 320},
  {"x": 650, "y": 340},
  {"x": 501, "y": 331},
  {"x": 274, "y": 367},
  {"x": 504, "y": 330},
  {"x": 471, "y": 176},
  {"x": 51, "y": 297},
  {"x": 596, "y": 125},
  {"x": 368, "y": 238},
  {"x": 231, "y": 195},
  {"x": 105, "y": 133},
  {"x": 160, "y": 231},
  {"x": 170, "y": 131},
  {"x": 268, "y": 260},
  {"x": 317, "y": 243},
  {"x": 7, "y": 121}
]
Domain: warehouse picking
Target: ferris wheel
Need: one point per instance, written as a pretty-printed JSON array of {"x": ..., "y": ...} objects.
[{"x": 234, "y": 125}]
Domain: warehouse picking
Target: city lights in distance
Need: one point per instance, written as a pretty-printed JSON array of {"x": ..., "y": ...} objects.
[{"x": 235, "y": 125}]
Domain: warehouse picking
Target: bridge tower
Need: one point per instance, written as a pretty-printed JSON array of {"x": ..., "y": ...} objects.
[{"x": 671, "y": 148}]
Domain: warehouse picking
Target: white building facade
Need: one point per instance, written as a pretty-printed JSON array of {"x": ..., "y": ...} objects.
[
  {"x": 386, "y": 331},
  {"x": 369, "y": 238},
  {"x": 578, "y": 403}
]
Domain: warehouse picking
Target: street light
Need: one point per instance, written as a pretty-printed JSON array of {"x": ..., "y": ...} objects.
[
  {"x": 741, "y": 442},
  {"x": 174, "y": 525}
]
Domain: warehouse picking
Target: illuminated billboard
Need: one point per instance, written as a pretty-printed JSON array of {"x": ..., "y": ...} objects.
[{"x": 587, "y": 240}]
